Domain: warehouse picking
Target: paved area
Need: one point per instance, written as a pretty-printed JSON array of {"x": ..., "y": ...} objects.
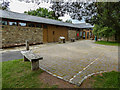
[
  {"x": 11, "y": 55},
  {"x": 75, "y": 61}
]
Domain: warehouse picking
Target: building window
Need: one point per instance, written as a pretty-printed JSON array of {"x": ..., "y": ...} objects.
[
  {"x": 3, "y": 22},
  {"x": 22, "y": 24},
  {"x": 13, "y": 23},
  {"x": 39, "y": 25},
  {"x": 45, "y": 26},
  {"x": 31, "y": 25}
]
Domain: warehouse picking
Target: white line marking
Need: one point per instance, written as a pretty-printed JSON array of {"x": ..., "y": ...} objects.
[{"x": 83, "y": 70}]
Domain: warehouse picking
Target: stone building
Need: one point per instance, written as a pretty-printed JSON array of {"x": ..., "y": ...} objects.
[{"x": 16, "y": 28}]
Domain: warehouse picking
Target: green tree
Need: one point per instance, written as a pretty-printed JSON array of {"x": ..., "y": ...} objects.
[
  {"x": 108, "y": 19},
  {"x": 4, "y": 5},
  {"x": 103, "y": 31},
  {"x": 43, "y": 12},
  {"x": 68, "y": 21}
]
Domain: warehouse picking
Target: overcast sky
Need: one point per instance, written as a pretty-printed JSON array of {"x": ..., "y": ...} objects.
[{"x": 20, "y": 7}]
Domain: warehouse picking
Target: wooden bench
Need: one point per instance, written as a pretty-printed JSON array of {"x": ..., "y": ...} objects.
[
  {"x": 33, "y": 58},
  {"x": 72, "y": 39}
]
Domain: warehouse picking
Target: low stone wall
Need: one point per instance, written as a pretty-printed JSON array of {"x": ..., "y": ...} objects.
[
  {"x": 13, "y": 35},
  {"x": 71, "y": 34},
  {"x": 112, "y": 38}
]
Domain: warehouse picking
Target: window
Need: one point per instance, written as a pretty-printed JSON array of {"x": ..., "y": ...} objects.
[
  {"x": 22, "y": 24},
  {"x": 3, "y": 22},
  {"x": 13, "y": 23},
  {"x": 31, "y": 25},
  {"x": 45, "y": 26},
  {"x": 39, "y": 25}
]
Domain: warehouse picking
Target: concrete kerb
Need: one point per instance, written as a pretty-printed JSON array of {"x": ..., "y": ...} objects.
[
  {"x": 78, "y": 84},
  {"x": 54, "y": 74},
  {"x": 89, "y": 76}
]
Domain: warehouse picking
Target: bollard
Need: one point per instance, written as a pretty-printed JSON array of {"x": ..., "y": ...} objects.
[{"x": 27, "y": 45}]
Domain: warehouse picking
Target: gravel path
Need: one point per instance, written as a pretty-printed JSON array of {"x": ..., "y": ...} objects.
[{"x": 74, "y": 61}]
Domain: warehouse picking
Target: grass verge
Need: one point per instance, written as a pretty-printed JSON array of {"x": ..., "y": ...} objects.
[
  {"x": 108, "y": 43},
  {"x": 18, "y": 74},
  {"x": 104, "y": 80}
]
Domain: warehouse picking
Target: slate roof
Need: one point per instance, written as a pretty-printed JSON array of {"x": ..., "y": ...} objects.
[{"x": 25, "y": 17}]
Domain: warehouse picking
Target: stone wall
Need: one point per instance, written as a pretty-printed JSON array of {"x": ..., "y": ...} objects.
[
  {"x": 112, "y": 38},
  {"x": 71, "y": 34},
  {"x": 13, "y": 35}
]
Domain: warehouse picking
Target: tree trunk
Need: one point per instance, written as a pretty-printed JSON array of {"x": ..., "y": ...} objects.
[{"x": 107, "y": 39}]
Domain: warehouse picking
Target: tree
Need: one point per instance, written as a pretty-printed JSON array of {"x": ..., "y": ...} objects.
[
  {"x": 77, "y": 10},
  {"x": 103, "y": 31},
  {"x": 4, "y": 5},
  {"x": 104, "y": 15},
  {"x": 108, "y": 19},
  {"x": 68, "y": 21},
  {"x": 43, "y": 12},
  {"x": 91, "y": 12}
]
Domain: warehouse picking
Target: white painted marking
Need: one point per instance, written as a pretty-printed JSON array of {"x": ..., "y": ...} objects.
[
  {"x": 89, "y": 76},
  {"x": 83, "y": 70}
]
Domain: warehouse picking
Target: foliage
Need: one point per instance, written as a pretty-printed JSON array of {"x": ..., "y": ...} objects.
[
  {"x": 107, "y": 21},
  {"x": 43, "y": 12},
  {"x": 68, "y": 21},
  {"x": 106, "y": 32},
  {"x": 4, "y": 5},
  {"x": 18, "y": 74},
  {"x": 77, "y": 10},
  {"x": 91, "y": 12},
  {"x": 104, "y": 14}
]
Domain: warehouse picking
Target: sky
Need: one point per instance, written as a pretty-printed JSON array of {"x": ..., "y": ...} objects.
[{"x": 20, "y": 7}]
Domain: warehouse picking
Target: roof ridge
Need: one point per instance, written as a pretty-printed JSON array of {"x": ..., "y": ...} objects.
[
  {"x": 34, "y": 16},
  {"x": 25, "y": 17}
]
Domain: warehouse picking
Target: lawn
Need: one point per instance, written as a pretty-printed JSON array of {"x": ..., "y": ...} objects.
[
  {"x": 104, "y": 80},
  {"x": 108, "y": 80},
  {"x": 107, "y": 43},
  {"x": 18, "y": 74}
]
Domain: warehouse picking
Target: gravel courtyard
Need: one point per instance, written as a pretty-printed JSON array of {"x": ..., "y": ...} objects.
[{"x": 75, "y": 61}]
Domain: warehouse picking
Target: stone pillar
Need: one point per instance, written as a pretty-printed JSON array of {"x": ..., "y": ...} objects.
[
  {"x": 85, "y": 35},
  {"x": 27, "y": 45},
  {"x": 34, "y": 65}
]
